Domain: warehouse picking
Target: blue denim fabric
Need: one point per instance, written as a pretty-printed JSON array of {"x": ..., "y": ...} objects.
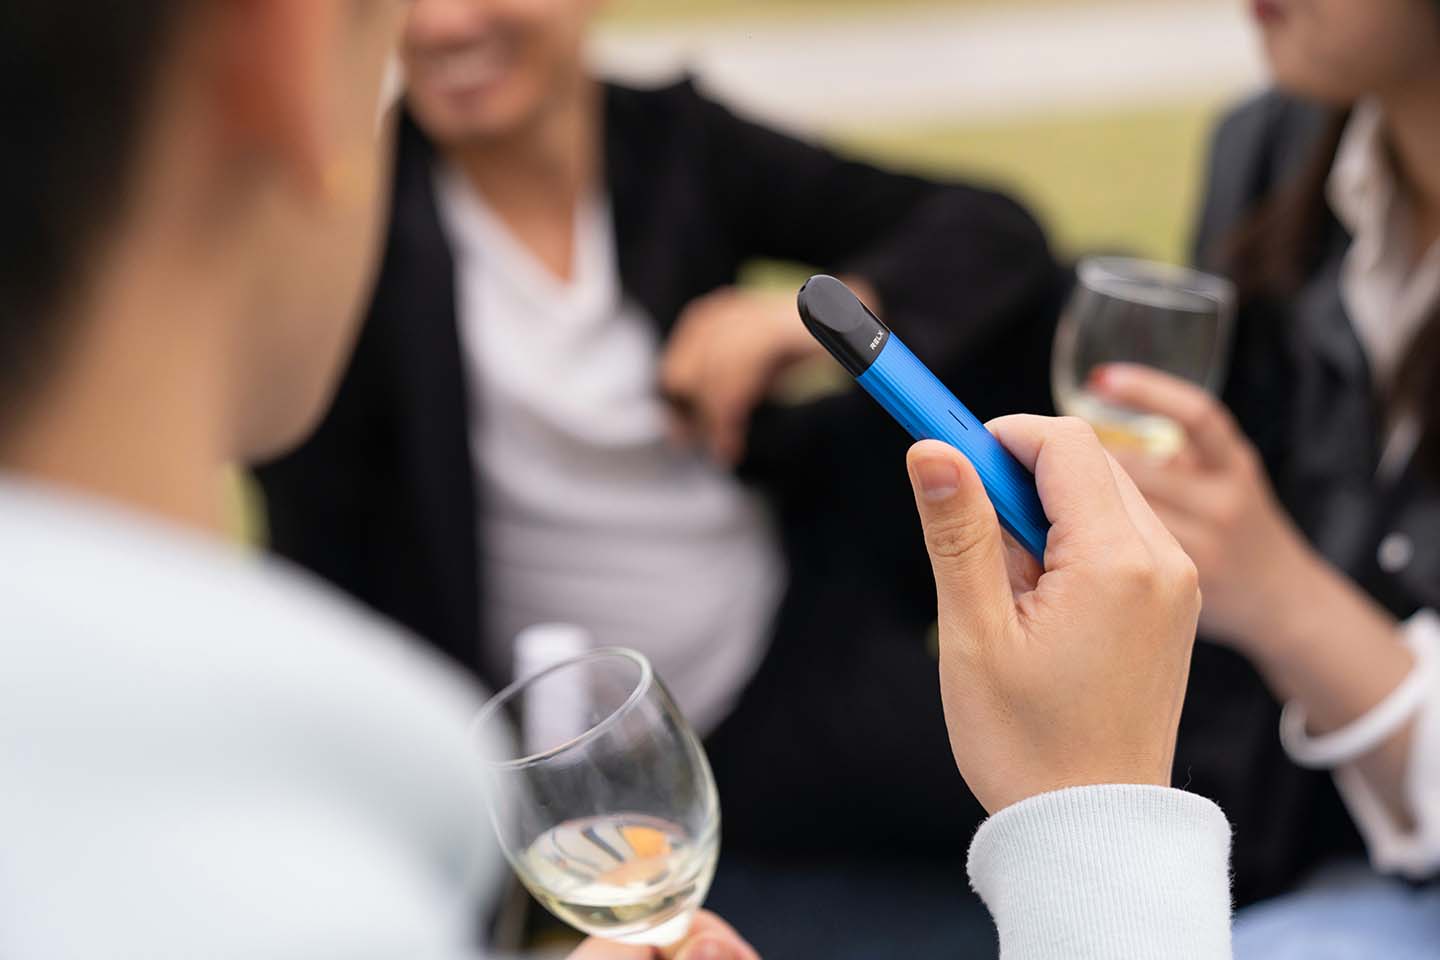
[{"x": 1346, "y": 912}]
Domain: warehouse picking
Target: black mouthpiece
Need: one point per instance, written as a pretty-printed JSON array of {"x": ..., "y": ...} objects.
[{"x": 844, "y": 325}]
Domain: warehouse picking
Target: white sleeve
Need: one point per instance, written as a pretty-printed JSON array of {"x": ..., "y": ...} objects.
[
  {"x": 1107, "y": 871},
  {"x": 1415, "y": 852}
]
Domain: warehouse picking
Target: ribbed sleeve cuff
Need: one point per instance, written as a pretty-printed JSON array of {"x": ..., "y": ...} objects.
[{"x": 1107, "y": 871}]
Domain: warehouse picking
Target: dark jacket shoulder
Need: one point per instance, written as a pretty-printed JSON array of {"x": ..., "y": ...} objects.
[{"x": 1256, "y": 147}]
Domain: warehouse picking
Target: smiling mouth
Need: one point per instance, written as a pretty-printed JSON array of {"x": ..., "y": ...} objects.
[{"x": 467, "y": 70}]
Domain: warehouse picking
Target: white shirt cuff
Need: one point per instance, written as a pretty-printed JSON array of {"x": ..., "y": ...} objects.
[
  {"x": 1107, "y": 871},
  {"x": 1415, "y": 852}
]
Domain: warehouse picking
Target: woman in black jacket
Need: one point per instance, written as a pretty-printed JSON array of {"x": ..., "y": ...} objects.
[{"x": 1312, "y": 504}]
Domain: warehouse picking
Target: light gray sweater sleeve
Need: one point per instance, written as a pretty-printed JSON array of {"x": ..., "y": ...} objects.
[{"x": 1107, "y": 871}]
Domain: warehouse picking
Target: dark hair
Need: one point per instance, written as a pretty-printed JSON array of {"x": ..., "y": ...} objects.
[
  {"x": 1283, "y": 243},
  {"x": 75, "y": 80}
]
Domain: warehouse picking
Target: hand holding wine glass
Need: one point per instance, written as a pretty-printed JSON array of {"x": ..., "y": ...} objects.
[{"x": 1256, "y": 567}]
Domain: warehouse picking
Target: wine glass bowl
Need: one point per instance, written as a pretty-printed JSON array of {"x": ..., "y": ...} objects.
[
  {"x": 606, "y": 807},
  {"x": 1136, "y": 311}
]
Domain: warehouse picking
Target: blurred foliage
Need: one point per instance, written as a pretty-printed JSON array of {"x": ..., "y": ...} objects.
[
  {"x": 1123, "y": 180},
  {"x": 244, "y": 509}
]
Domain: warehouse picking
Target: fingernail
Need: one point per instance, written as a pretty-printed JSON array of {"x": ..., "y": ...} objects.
[
  {"x": 704, "y": 950},
  {"x": 1108, "y": 377},
  {"x": 938, "y": 479}
]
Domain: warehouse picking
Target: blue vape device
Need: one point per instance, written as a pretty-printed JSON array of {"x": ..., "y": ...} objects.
[{"x": 917, "y": 399}]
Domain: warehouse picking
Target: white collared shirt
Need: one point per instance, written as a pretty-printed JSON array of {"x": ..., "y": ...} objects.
[
  {"x": 1388, "y": 295},
  {"x": 590, "y": 515}
]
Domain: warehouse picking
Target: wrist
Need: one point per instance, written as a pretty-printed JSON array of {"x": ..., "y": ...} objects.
[
  {"x": 1289, "y": 604},
  {"x": 1322, "y": 611},
  {"x": 1292, "y": 627},
  {"x": 789, "y": 340},
  {"x": 1135, "y": 765}
]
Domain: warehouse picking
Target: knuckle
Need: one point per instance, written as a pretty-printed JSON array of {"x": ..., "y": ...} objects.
[
  {"x": 1186, "y": 575},
  {"x": 1073, "y": 428},
  {"x": 1135, "y": 572},
  {"x": 1213, "y": 419},
  {"x": 956, "y": 536},
  {"x": 1228, "y": 508}
]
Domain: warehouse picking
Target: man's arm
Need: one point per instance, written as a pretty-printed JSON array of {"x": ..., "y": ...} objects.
[
  {"x": 947, "y": 261},
  {"x": 963, "y": 274}
]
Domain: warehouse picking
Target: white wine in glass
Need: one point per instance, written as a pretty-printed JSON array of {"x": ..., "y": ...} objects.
[
  {"x": 1136, "y": 311},
  {"x": 607, "y": 809},
  {"x": 1122, "y": 429},
  {"x": 626, "y": 877}
]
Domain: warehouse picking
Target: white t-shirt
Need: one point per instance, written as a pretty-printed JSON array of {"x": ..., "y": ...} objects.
[
  {"x": 205, "y": 754},
  {"x": 590, "y": 516}
]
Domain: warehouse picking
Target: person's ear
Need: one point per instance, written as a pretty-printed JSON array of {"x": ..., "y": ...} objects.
[{"x": 272, "y": 60}]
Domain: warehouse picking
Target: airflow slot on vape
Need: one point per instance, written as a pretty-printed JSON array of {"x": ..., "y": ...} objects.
[{"x": 958, "y": 420}]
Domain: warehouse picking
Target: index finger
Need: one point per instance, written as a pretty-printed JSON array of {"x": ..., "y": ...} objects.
[
  {"x": 1205, "y": 421},
  {"x": 1072, "y": 474}
]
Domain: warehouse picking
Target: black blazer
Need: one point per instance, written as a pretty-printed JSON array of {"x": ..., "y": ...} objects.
[
  {"x": 1300, "y": 387},
  {"x": 841, "y": 729}
]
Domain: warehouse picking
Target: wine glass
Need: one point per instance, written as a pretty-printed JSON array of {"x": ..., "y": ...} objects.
[
  {"x": 1137, "y": 311},
  {"x": 606, "y": 807}
]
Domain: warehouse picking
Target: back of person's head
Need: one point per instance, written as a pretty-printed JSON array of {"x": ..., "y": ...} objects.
[
  {"x": 479, "y": 71},
  {"x": 224, "y": 151},
  {"x": 77, "y": 83}
]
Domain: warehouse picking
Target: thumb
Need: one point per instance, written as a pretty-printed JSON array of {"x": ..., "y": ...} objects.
[{"x": 962, "y": 534}]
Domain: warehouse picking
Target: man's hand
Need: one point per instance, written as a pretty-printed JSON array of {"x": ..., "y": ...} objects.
[
  {"x": 1066, "y": 677},
  {"x": 727, "y": 351},
  {"x": 710, "y": 938}
]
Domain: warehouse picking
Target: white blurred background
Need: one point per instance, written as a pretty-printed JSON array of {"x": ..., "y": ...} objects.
[{"x": 1096, "y": 111}]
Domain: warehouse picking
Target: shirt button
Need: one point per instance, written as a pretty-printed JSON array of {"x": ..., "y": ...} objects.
[{"x": 1395, "y": 553}]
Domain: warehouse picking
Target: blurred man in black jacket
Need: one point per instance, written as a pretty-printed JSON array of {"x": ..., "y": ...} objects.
[{"x": 559, "y": 410}]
